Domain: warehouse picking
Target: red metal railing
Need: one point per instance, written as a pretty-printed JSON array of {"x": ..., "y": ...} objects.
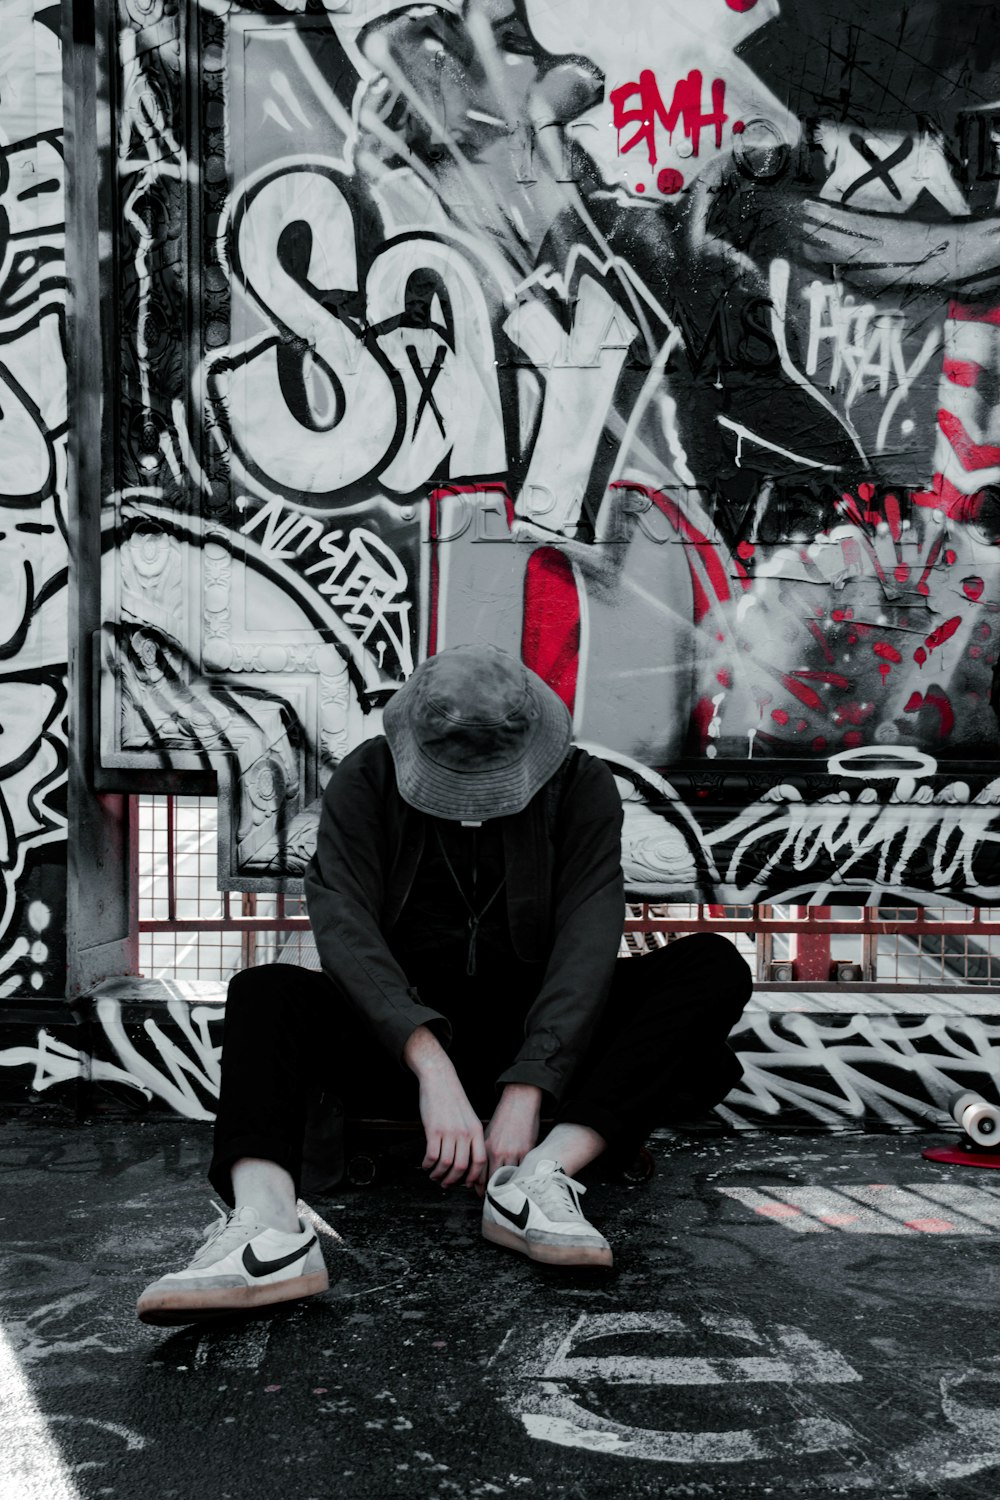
[{"x": 181, "y": 915}]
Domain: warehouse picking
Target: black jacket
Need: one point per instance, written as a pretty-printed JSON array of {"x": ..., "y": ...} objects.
[{"x": 565, "y": 904}]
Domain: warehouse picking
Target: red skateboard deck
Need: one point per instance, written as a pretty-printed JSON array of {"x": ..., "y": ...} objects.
[{"x": 961, "y": 1156}]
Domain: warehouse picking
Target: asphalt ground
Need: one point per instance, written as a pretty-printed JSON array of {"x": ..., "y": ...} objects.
[{"x": 804, "y": 1315}]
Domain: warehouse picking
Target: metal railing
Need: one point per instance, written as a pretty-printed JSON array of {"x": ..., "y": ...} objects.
[{"x": 186, "y": 926}]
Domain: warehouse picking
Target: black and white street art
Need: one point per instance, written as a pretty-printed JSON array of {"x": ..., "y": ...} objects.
[
  {"x": 624, "y": 338},
  {"x": 33, "y": 530},
  {"x": 656, "y": 344}
]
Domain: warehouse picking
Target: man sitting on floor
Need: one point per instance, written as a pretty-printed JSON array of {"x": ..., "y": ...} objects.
[{"x": 466, "y": 898}]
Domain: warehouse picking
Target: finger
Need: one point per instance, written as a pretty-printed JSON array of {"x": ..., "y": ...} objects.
[
  {"x": 477, "y": 1166},
  {"x": 446, "y": 1156},
  {"x": 460, "y": 1163},
  {"x": 433, "y": 1151}
]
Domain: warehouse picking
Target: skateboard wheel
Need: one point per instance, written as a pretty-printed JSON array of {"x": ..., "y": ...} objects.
[
  {"x": 959, "y": 1103},
  {"x": 981, "y": 1123},
  {"x": 642, "y": 1168},
  {"x": 362, "y": 1169}
]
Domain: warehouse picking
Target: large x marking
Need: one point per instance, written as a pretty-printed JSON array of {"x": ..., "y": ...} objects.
[
  {"x": 427, "y": 380},
  {"x": 881, "y": 167}
]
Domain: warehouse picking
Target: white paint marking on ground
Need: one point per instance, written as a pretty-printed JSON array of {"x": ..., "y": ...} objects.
[
  {"x": 794, "y": 1357},
  {"x": 976, "y": 1203},
  {"x": 572, "y": 1426},
  {"x": 914, "y": 1211},
  {"x": 33, "y": 1467},
  {"x": 537, "y": 1388},
  {"x": 774, "y": 1208},
  {"x": 875, "y": 1208}
]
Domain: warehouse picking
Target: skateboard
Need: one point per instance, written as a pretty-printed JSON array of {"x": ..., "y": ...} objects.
[{"x": 980, "y": 1121}]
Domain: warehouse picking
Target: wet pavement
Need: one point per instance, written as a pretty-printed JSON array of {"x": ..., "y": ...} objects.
[{"x": 789, "y": 1315}]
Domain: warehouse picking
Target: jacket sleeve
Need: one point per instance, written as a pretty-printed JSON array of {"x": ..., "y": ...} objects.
[
  {"x": 588, "y": 915},
  {"x": 345, "y": 886}
]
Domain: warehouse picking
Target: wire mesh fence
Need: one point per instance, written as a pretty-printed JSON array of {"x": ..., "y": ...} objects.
[{"x": 189, "y": 929}]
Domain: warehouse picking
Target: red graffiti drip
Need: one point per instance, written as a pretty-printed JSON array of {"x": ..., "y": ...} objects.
[
  {"x": 833, "y": 678},
  {"x": 943, "y": 633},
  {"x": 701, "y": 718},
  {"x": 849, "y": 505},
  {"x": 937, "y": 638},
  {"x": 973, "y": 588},
  {"x": 821, "y": 640},
  {"x": 894, "y": 517},
  {"x": 888, "y": 653},
  {"x": 779, "y": 715},
  {"x": 724, "y": 678},
  {"x": 915, "y": 702},
  {"x": 550, "y": 641},
  {"x": 923, "y": 587},
  {"x": 806, "y": 695}
]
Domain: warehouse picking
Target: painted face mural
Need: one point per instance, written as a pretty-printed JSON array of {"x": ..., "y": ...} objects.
[
  {"x": 33, "y": 552},
  {"x": 655, "y": 343}
]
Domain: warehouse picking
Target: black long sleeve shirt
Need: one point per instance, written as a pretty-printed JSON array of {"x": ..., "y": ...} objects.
[{"x": 564, "y": 899}]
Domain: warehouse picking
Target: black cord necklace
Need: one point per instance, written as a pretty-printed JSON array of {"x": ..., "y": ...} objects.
[{"x": 475, "y": 917}]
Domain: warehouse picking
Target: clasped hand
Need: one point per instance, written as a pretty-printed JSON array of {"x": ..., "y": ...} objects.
[{"x": 458, "y": 1149}]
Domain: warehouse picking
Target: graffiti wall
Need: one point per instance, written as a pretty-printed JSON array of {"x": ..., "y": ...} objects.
[
  {"x": 883, "y": 1061},
  {"x": 33, "y": 547},
  {"x": 657, "y": 343}
]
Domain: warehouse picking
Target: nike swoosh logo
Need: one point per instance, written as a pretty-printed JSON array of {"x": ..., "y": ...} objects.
[
  {"x": 519, "y": 1219},
  {"x": 256, "y": 1267}
]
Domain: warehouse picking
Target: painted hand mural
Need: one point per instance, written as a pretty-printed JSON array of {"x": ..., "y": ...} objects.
[{"x": 659, "y": 345}]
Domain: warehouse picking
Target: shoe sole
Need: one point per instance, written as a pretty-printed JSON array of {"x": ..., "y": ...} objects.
[
  {"x": 549, "y": 1255},
  {"x": 170, "y": 1309}
]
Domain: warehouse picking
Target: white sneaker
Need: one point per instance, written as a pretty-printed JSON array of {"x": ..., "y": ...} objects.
[
  {"x": 242, "y": 1265},
  {"x": 539, "y": 1214}
]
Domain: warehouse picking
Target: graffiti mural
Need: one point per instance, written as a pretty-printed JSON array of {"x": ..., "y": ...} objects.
[
  {"x": 657, "y": 344},
  {"x": 33, "y": 547},
  {"x": 882, "y": 1061}
]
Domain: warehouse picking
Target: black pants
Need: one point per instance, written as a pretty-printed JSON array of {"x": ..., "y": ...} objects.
[{"x": 659, "y": 1053}]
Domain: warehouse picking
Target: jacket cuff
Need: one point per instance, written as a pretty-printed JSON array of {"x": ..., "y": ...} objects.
[
  {"x": 537, "y": 1073},
  {"x": 405, "y": 1022}
]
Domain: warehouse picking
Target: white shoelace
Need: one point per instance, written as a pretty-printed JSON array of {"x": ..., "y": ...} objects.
[
  {"x": 554, "y": 1194},
  {"x": 214, "y": 1246}
]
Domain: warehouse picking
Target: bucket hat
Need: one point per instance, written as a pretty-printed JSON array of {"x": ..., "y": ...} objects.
[{"x": 474, "y": 734}]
